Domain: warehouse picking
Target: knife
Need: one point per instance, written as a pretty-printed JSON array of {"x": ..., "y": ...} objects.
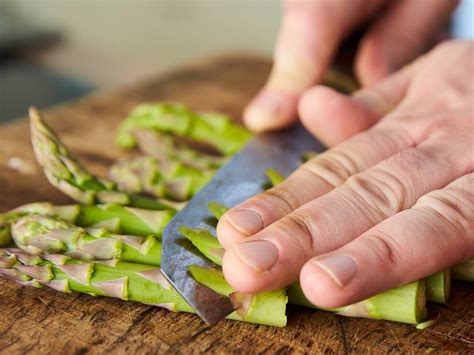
[{"x": 242, "y": 177}]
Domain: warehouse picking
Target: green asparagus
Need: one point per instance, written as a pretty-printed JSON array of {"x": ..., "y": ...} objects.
[
  {"x": 211, "y": 128},
  {"x": 43, "y": 235},
  {"x": 116, "y": 218},
  {"x": 64, "y": 172},
  {"x": 169, "y": 179}
]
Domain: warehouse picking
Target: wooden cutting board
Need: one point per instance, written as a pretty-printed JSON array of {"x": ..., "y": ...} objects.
[{"x": 45, "y": 321}]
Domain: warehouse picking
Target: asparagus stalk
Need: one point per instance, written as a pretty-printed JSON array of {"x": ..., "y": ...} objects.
[
  {"x": 64, "y": 172},
  {"x": 116, "y": 218},
  {"x": 43, "y": 235},
  {"x": 438, "y": 287},
  {"x": 170, "y": 179},
  {"x": 405, "y": 304},
  {"x": 211, "y": 128},
  {"x": 464, "y": 271}
]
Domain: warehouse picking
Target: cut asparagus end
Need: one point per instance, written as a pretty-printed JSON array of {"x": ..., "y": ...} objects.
[
  {"x": 438, "y": 287},
  {"x": 464, "y": 271},
  {"x": 274, "y": 176},
  {"x": 263, "y": 308},
  {"x": 216, "y": 209},
  {"x": 205, "y": 242}
]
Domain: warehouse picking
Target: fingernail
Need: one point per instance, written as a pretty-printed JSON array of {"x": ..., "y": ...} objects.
[
  {"x": 260, "y": 255},
  {"x": 340, "y": 268},
  {"x": 246, "y": 221}
]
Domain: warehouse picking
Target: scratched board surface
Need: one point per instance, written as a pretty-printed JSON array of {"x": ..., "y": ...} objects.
[{"x": 45, "y": 321}]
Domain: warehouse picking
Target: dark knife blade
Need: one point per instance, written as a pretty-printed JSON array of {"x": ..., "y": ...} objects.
[{"x": 242, "y": 177}]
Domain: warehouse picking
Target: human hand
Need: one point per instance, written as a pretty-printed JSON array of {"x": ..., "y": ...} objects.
[
  {"x": 387, "y": 206},
  {"x": 311, "y": 33}
]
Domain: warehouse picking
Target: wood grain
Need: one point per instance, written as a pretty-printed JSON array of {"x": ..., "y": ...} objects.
[{"x": 43, "y": 321}]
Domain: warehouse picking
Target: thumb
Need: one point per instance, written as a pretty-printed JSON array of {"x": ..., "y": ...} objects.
[{"x": 310, "y": 34}]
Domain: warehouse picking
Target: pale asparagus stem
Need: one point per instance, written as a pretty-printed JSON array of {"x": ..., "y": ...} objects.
[
  {"x": 464, "y": 271},
  {"x": 170, "y": 118},
  {"x": 171, "y": 179},
  {"x": 438, "y": 287},
  {"x": 65, "y": 173},
  {"x": 43, "y": 235},
  {"x": 116, "y": 218}
]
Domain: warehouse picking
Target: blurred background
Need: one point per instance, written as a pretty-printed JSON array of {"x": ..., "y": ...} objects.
[{"x": 56, "y": 50}]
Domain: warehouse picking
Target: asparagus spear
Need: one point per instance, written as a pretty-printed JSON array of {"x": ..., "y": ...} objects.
[
  {"x": 212, "y": 128},
  {"x": 64, "y": 172},
  {"x": 116, "y": 218},
  {"x": 170, "y": 179},
  {"x": 43, "y": 235},
  {"x": 464, "y": 271},
  {"x": 438, "y": 287}
]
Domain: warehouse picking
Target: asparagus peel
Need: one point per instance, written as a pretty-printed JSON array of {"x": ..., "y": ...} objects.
[{"x": 66, "y": 173}]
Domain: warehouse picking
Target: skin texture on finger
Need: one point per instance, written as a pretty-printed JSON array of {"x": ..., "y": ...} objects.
[
  {"x": 403, "y": 32},
  {"x": 364, "y": 200},
  {"x": 309, "y": 37},
  {"x": 433, "y": 235},
  {"x": 334, "y": 117},
  {"x": 318, "y": 176}
]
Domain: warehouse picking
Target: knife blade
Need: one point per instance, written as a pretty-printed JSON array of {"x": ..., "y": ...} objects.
[{"x": 242, "y": 177}]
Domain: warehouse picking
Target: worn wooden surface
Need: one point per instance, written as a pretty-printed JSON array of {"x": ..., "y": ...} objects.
[{"x": 45, "y": 321}]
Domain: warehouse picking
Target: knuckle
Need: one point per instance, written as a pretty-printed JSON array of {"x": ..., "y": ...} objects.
[
  {"x": 299, "y": 230},
  {"x": 384, "y": 248},
  {"x": 455, "y": 206},
  {"x": 334, "y": 167},
  {"x": 380, "y": 192},
  {"x": 282, "y": 197}
]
